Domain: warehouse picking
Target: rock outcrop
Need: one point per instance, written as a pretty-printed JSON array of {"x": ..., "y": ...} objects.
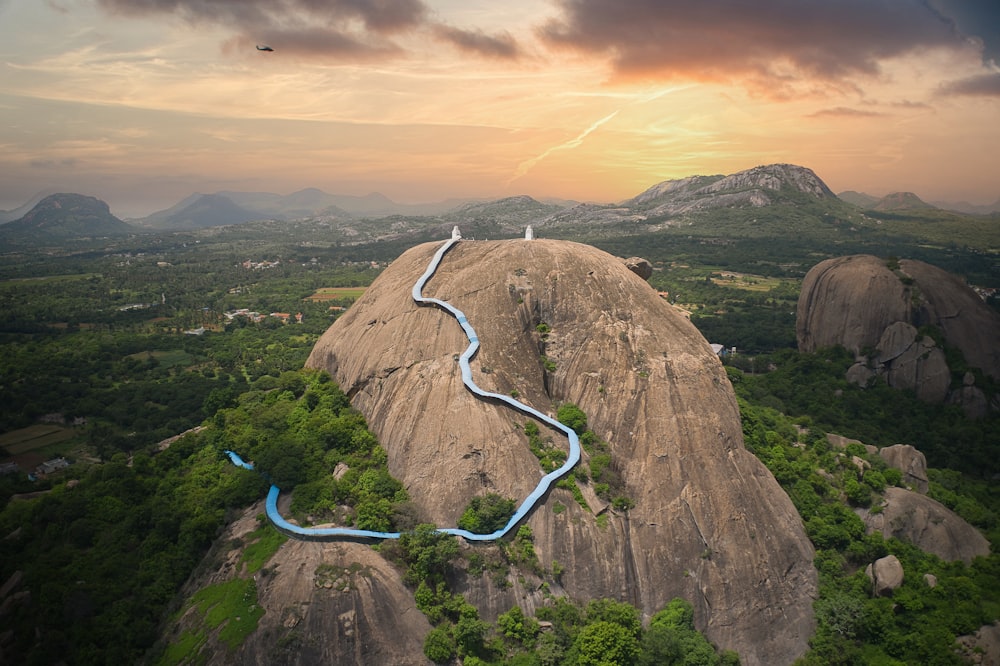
[
  {"x": 982, "y": 647},
  {"x": 640, "y": 267},
  {"x": 927, "y": 524},
  {"x": 710, "y": 523},
  {"x": 324, "y": 603},
  {"x": 877, "y": 310}
]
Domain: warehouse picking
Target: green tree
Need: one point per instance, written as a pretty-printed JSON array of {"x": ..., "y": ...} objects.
[
  {"x": 517, "y": 626},
  {"x": 439, "y": 646},
  {"x": 604, "y": 644}
]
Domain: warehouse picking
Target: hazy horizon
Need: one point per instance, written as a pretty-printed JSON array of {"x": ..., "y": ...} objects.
[
  {"x": 144, "y": 102},
  {"x": 144, "y": 209}
]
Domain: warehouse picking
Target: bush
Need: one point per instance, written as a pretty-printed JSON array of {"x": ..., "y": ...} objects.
[
  {"x": 487, "y": 514},
  {"x": 439, "y": 646},
  {"x": 572, "y": 416}
]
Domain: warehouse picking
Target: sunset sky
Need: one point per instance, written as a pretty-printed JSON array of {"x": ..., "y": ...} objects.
[{"x": 143, "y": 102}]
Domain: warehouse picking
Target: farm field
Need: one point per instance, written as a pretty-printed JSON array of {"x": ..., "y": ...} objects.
[
  {"x": 34, "y": 437},
  {"x": 335, "y": 293}
]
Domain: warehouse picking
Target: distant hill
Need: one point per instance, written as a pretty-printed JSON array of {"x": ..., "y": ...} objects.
[
  {"x": 859, "y": 199},
  {"x": 969, "y": 208},
  {"x": 222, "y": 208},
  {"x": 738, "y": 203},
  {"x": 907, "y": 201},
  {"x": 901, "y": 201},
  {"x": 756, "y": 187},
  {"x": 64, "y": 216},
  {"x": 199, "y": 211},
  {"x": 19, "y": 212}
]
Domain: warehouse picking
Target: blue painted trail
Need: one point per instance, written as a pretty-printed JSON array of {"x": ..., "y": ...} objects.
[{"x": 332, "y": 533}]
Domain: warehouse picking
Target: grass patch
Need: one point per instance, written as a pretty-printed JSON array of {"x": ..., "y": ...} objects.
[
  {"x": 263, "y": 544},
  {"x": 184, "y": 651},
  {"x": 233, "y": 603}
]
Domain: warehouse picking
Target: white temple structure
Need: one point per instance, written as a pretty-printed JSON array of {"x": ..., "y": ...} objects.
[
  {"x": 529, "y": 233},
  {"x": 456, "y": 234}
]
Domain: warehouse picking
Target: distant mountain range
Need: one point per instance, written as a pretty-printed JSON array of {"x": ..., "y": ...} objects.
[
  {"x": 209, "y": 210},
  {"x": 909, "y": 201},
  {"x": 716, "y": 200}
]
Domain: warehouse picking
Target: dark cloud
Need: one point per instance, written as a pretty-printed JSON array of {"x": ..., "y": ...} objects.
[
  {"x": 976, "y": 19},
  {"x": 379, "y": 16},
  {"x": 984, "y": 85},
  {"x": 68, "y": 162},
  {"x": 501, "y": 46},
  {"x": 845, "y": 112},
  {"x": 773, "y": 40},
  {"x": 354, "y": 29}
]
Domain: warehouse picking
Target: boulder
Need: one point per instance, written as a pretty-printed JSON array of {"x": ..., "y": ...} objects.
[
  {"x": 921, "y": 368},
  {"x": 982, "y": 647},
  {"x": 710, "y": 524},
  {"x": 841, "y": 442},
  {"x": 640, "y": 267},
  {"x": 973, "y": 401},
  {"x": 911, "y": 462},
  {"x": 849, "y": 301},
  {"x": 876, "y": 311},
  {"x": 886, "y": 574},
  {"x": 927, "y": 524}
]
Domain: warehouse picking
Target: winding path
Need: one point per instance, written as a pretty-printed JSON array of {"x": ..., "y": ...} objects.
[{"x": 332, "y": 533}]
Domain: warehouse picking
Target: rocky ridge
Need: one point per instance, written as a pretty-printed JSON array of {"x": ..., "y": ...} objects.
[
  {"x": 756, "y": 187},
  {"x": 709, "y": 524}
]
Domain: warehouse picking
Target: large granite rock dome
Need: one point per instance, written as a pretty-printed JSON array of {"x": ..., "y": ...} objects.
[
  {"x": 877, "y": 311},
  {"x": 709, "y": 524}
]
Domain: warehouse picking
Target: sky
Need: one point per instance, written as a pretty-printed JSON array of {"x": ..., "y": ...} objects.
[{"x": 144, "y": 102}]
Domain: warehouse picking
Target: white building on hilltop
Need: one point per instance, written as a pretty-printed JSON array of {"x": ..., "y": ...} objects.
[
  {"x": 529, "y": 233},
  {"x": 456, "y": 234}
]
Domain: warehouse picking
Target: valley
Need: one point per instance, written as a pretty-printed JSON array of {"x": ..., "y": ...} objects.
[{"x": 124, "y": 379}]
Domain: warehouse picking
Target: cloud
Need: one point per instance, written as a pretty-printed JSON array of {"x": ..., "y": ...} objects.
[
  {"x": 501, "y": 46},
  {"x": 775, "y": 41},
  {"x": 983, "y": 85},
  {"x": 845, "y": 112},
  {"x": 355, "y": 29}
]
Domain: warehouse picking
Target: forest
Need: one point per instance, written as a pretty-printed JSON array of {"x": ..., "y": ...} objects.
[{"x": 103, "y": 346}]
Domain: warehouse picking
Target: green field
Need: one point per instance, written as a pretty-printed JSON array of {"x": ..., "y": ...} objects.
[
  {"x": 34, "y": 437},
  {"x": 746, "y": 281},
  {"x": 335, "y": 293}
]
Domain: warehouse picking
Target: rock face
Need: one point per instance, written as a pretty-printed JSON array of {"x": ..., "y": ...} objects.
[
  {"x": 876, "y": 311},
  {"x": 927, "y": 524},
  {"x": 709, "y": 524}
]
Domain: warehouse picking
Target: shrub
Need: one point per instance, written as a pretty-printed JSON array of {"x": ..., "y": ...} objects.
[{"x": 487, "y": 514}]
